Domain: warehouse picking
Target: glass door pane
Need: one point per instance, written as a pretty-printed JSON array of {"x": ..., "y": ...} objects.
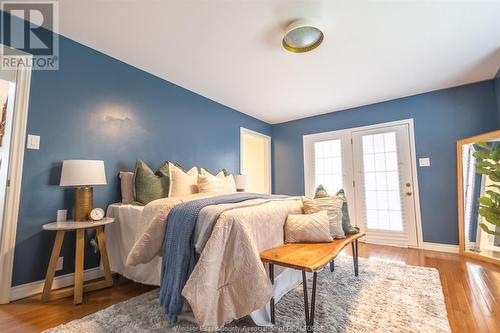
[
  {"x": 382, "y": 186},
  {"x": 328, "y": 165}
]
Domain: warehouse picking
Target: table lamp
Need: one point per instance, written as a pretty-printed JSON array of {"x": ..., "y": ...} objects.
[
  {"x": 83, "y": 174},
  {"x": 242, "y": 182}
]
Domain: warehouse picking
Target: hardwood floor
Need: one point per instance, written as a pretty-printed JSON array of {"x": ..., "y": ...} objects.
[{"x": 471, "y": 289}]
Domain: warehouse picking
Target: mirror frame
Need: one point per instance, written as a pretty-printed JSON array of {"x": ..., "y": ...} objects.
[{"x": 460, "y": 185}]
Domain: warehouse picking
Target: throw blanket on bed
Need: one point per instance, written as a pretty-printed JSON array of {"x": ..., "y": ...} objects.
[
  {"x": 208, "y": 216},
  {"x": 178, "y": 250}
]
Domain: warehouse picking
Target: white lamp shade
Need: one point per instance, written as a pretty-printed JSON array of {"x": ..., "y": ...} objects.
[
  {"x": 82, "y": 172},
  {"x": 241, "y": 181}
]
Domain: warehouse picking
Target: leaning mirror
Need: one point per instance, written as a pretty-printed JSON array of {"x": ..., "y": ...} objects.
[{"x": 478, "y": 164}]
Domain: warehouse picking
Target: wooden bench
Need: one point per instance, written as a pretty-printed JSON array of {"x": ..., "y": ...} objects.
[{"x": 309, "y": 257}]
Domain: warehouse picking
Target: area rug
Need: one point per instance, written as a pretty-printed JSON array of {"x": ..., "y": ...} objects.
[{"x": 385, "y": 297}]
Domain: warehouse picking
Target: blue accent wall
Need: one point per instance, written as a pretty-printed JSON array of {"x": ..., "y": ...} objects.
[
  {"x": 440, "y": 119},
  {"x": 96, "y": 107}
]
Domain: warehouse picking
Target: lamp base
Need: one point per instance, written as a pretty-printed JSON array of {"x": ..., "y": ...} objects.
[{"x": 84, "y": 198}]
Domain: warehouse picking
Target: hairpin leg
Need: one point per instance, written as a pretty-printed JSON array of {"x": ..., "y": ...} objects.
[
  {"x": 271, "y": 277},
  {"x": 355, "y": 256},
  {"x": 309, "y": 315}
]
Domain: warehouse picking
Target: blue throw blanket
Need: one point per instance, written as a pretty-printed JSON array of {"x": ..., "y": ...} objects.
[{"x": 178, "y": 249}]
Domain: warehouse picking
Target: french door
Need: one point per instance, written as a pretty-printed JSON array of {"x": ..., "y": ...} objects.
[{"x": 374, "y": 166}]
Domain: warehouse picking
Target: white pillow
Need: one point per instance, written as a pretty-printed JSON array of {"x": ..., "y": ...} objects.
[
  {"x": 219, "y": 183},
  {"x": 127, "y": 186},
  {"x": 333, "y": 205},
  {"x": 205, "y": 172},
  {"x": 308, "y": 228},
  {"x": 182, "y": 183}
]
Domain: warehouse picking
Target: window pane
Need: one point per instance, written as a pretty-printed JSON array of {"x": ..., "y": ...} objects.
[
  {"x": 390, "y": 141},
  {"x": 382, "y": 186},
  {"x": 328, "y": 165},
  {"x": 391, "y": 161}
]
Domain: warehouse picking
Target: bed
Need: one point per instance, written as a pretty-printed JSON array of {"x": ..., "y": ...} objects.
[{"x": 228, "y": 282}]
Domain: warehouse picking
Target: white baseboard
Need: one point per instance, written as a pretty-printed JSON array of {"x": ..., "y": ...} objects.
[
  {"x": 33, "y": 288},
  {"x": 440, "y": 247}
]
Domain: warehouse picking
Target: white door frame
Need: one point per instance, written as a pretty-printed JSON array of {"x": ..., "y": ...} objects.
[
  {"x": 309, "y": 176},
  {"x": 8, "y": 227},
  {"x": 244, "y": 130}
]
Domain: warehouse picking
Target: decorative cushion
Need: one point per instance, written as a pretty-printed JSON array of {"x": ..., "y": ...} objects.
[
  {"x": 181, "y": 182},
  {"x": 149, "y": 185},
  {"x": 349, "y": 229},
  {"x": 127, "y": 186},
  {"x": 308, "y": 228},
  {"x": 204, "y": 171},
  {"x": 333, "y": 207},
  {"x": 320, "y": 192},
  {"x": 218, "y": 183}
]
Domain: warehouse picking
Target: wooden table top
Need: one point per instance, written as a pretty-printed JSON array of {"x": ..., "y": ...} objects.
[
  {"x": 73, "y": 225},
  {"x": 308, "y": 257}
]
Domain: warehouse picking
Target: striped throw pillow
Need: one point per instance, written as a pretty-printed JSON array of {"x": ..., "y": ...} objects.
[
  {"x": 333, "y": 206},
  {"x": 312, "y": 228}
]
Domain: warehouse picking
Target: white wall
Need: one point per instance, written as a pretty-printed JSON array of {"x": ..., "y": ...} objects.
[{"x": 255, "y": 162}]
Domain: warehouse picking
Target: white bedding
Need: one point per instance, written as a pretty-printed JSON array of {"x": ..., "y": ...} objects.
[
  {"x": 121, "y": 237},
  {"x": 131, "y": 226}
]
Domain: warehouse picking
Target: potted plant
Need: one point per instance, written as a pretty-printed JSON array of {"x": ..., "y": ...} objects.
[{"x": 488, "y": 164}]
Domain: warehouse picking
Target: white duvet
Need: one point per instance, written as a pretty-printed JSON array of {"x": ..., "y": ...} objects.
[{"x": 229, "y": 281}]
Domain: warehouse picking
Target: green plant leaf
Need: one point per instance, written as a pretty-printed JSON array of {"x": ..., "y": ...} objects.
[
  {"x": 481, "y": 155},
  {"x": 487, "y": 230},
  {"x": 486, "y": 201},
  {"x": 483, "y": 144}
]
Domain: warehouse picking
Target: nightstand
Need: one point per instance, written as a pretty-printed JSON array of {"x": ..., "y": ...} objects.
[{"x": 77, "y": 290}]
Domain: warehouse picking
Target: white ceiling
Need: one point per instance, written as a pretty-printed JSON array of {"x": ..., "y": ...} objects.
[{"x": 230, "y": 50}]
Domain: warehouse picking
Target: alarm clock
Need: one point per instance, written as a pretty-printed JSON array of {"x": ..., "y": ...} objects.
[{"x": 96, "y": 214}]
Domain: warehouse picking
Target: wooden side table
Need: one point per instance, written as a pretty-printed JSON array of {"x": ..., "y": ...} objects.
[{"x": 77, "y": 290}]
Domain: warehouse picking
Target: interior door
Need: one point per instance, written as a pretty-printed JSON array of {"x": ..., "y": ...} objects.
[
  {"x": 385, "y": 207},
  {"x": 255, "y": 160}
]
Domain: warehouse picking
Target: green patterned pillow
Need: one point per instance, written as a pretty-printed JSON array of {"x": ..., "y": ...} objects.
[
  {"x": 346, "y": 221},
  {"x": 320, "y": 192},
  {"x": 149, "y": 185}
]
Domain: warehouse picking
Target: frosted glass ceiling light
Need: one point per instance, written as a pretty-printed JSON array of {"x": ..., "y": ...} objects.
[{"x": 302, "y": 36}]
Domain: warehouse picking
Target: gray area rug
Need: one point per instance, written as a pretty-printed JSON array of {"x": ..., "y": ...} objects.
[{"x": 386, "y": 297}]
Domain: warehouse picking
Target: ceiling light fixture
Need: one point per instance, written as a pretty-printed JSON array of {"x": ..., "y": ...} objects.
[{"x": 302, "y": 36}]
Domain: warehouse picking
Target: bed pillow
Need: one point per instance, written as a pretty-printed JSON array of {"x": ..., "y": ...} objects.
[
  {"x": 320, "y": 192},
  {"x": 349, "y": 229},
  {"x": 204, "y": 171},
  {"x": 149, "y": 185},
  {"x": 218, "y": 183},
  {"x": 333, "y": 207},
  {"x": 182, "y": 182},
  {"x": 127, "y": 186},
  {"x": 308, "y": 228}
]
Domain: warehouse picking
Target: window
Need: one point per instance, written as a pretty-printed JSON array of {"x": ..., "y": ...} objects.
[
  {"x": 382, "y": 185},
  {"x": 328, "y": 165}
]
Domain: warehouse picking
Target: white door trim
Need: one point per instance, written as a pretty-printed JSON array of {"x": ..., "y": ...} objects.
[
  {"x": 244, "y": 130},
  {"x": 413, "y": 155},
  {"x": 9, "y": 226}
]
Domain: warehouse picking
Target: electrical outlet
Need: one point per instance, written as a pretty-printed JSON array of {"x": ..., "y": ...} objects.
[
  {"x": 424, "y": 162},
  {"x": 33, "y": 142},
  {"x": 60, "y": 262},
  {"x": 62, "y": 215}
]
